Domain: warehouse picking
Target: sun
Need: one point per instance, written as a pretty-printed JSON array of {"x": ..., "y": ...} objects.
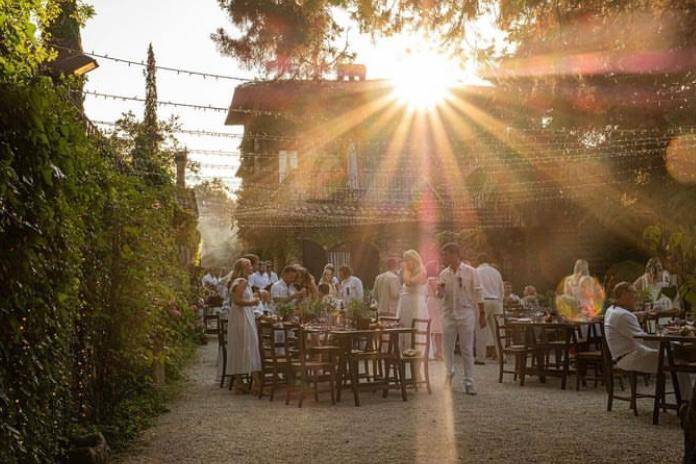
[{"x": 423, "y": 79}]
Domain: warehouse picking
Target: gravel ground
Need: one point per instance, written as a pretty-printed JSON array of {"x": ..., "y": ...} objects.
[{"x": 504, "y": 423}]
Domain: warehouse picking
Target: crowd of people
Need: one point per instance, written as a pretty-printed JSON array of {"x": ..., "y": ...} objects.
[{"x": 461, "y": 301}]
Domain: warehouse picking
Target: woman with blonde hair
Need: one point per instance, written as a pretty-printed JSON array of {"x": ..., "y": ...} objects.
[
  {"x": 412, "y": 304},
  {"x": 243, "y": 356}
]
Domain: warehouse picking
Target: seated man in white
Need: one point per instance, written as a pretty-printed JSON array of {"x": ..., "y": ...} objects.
[{"x": 621, "y": 326}]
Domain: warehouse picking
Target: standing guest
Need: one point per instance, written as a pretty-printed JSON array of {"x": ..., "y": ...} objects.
[
  {"x": 260, "y": 280},
  {"x": 283, "y": 291},
  {"x": 434, "y": 305},
  {"x": 335, "y": 280},
  {"x": 412, "y": 299},
  {"x": 328, "y": 278},
  {"x": 655, "y": 279},
  {"x": 254, "y": 259},
  {"x": 571, "y": 284},
  {"x": 242, "y": 342},
  {"x": 351, "y": 288},
  {"x": 460, "y": 291},
  {"x": 387, "y": 288},
  {"x": 305, "y": 281},
  {"x": 492, "y": 293},
  {"x": 621, "y": 327}
]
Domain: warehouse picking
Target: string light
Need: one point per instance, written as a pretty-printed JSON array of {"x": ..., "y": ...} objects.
[{"x": 178, "y": 71}]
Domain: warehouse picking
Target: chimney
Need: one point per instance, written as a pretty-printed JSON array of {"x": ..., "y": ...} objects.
[
  {"x": 351, "y": 72},
  {"x": 181, "y": 158}
]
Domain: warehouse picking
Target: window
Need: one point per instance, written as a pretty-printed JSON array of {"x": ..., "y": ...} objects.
[{"x": 287, "y": 162}]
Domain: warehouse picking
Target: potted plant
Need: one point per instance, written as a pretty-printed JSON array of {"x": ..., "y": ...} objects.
[
  {"x": 285, "y": 310},
  {"x": 359, "y": 313},
  {"x": 310, "y": 309}
]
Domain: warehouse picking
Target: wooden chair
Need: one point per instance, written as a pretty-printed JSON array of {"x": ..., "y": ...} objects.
[
  {"x": 556, "y": 340},
  {"x": 420, "y": 344},
  {"x": 208, "y": 317},
  {"x": 610, "y": 374},
  {"x": 505, "y": 341},
  {"x": 222, "y": 347},
  {"x": 273, "y": 366},
  {"x": 314, "y": 364},
  {"x": 589, "y": 356}
]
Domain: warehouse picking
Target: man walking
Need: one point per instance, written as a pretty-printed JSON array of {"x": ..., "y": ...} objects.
[
  {"x": 387, "y": 289},
  {"x": 460, "y": 291},
  {"x": 492, "y": 293}
]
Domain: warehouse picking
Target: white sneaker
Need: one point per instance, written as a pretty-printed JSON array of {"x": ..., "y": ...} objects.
[{"x": 469, "y": 389}]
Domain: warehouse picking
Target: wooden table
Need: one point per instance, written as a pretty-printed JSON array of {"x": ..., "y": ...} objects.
[
  {"x": 665, "y": 352},
  {"x": 536, "y": 343},
  {"x": 345, "y": 340}
]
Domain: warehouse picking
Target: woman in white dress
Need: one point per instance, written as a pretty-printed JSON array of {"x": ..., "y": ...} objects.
[
  {"x": 242, "y": 340},
  {"x": 412, "y": 304}
]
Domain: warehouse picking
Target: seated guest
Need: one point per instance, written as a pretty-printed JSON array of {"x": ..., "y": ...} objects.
[
  {"x": 621, "y": 327},
  {"x": 530, "y": 299},
  {"x": 261, "y": 279},
  {"x": 325, "y": 294},
  {"x": 283, "y": 291},
  {"x": 272, "y": 276},
  {"x": 351, "y": 287},
  {"x": 387, "y": 289},
  {"x": 510, "y": 299}
]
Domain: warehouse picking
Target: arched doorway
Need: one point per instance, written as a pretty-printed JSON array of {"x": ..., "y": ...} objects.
[{"x": 314, "y": 258}]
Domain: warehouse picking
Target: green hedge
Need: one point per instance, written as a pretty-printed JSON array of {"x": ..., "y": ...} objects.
[{"x": 92, "y": 291}]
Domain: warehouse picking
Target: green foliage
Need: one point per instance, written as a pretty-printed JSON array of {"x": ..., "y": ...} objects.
[
  {"x": 310, "y": 308},
  {"x": 93, "y": 293},
  {"x": 356, "y": 310},
  {"x": 21, "y": 50}
]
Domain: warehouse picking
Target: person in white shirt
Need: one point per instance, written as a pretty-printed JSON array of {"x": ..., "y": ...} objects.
[
  {"x": 272, "y": 276},
  {"x": 387, "y": 288},
  {"x": 260, "y": 280},
  {"x": 621, "y": 326},
  {"x": 460, "y": 291},
  {"x": 492, "y": 293},
  {"x": 283, "y": 291},
  {"x": 653, "y": 281},
  {"x": 351, "y": 287}
]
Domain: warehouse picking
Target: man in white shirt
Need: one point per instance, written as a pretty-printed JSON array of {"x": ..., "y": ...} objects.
[
  {"x": 460, "y": 291},
  {"x": 492, "y": 293},
  {"x": 283, "y": 291},
  {"x": 621, "y": 326},
  {"x": 260, "y": 280},
  {"x": 387, "y": 289},
  {"x": 351, "y": 287}
]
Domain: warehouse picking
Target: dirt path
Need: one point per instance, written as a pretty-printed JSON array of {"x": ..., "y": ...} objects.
[{"x": 504, "y": 423}]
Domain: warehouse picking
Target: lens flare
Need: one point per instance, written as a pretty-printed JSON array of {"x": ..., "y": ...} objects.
[
  {"x": 579, "y": 298},
  {"x": 681, "y": 159}
]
